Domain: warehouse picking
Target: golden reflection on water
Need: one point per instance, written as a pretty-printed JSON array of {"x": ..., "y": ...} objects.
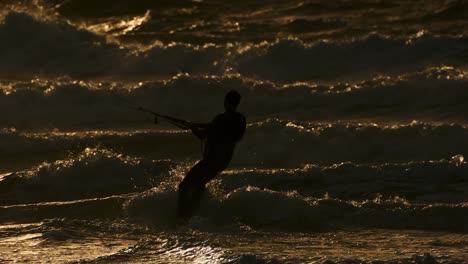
[
  {"x": 36, "y": 247},
  {"x": 197, "y": 254},
  {"x": 17, "y": 244}
]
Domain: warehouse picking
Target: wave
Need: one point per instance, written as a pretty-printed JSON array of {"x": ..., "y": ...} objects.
[
  {"x": 419, "y": 182},
  {"x": 178, "y": 247},
  {"x": 211, "y": 21},
  {"x": 99, "y": 183},
  {"x": 436, "y": 94},
  {"x": 264, "y": 145},
  {"x": 24, "y": 150},
  {"x": 268, "y": 209},
  {"x": 56, "y": 48},
  {"x": 288, "y": 60},
  {"x": 90, "y": 174},
  {"x": 31, "y": 47}
]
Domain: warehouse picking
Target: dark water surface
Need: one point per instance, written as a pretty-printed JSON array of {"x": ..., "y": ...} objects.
[{"x": 354, "y": 151}]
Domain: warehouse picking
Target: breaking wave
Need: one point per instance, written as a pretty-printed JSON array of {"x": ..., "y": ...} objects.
[
  {"x": 268, "y": 209},
  {"x": 288, "y": 60},
  {"x": 32, "y": 47},
  {"x": 99, "y": 183},
  {"x": 264, "y": 145},
  {"x": 436, "y": 94},
  {"x": 90, "y": 174}
]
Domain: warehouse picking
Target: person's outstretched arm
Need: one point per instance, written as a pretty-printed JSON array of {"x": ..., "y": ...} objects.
[{"x": 200, "y": 130}]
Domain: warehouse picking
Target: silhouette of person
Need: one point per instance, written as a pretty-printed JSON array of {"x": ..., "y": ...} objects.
[{"x": 221, "y": 136}]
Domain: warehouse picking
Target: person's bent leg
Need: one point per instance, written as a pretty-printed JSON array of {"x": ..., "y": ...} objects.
[
  {"x": 190, "y": 186},
  {"x": 191, "y": 189}
]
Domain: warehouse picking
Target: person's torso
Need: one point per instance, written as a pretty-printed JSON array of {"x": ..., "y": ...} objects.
[{"x": 224, "y": 132}]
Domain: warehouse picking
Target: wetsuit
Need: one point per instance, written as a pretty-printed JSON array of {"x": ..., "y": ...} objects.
[{"x": 221, "y": 136}]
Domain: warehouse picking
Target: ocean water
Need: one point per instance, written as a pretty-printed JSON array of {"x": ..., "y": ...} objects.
[{"x": 354, "y": 151}]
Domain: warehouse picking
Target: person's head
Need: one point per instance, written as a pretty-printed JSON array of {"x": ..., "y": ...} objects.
[{"x": 231, "y": 101}]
